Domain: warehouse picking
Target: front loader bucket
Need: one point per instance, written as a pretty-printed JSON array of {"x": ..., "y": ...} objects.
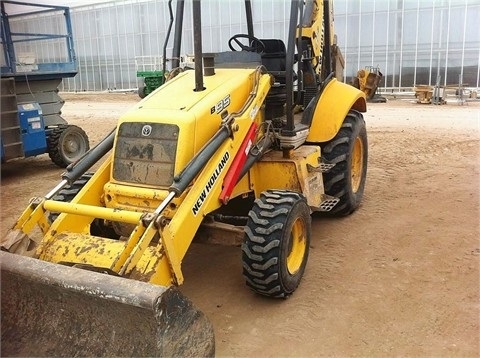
[
  {"x": 371, "y": 85},
  {"x": 54, "y": 310}
]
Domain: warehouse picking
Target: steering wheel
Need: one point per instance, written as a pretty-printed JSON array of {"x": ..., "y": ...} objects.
[{"x": 255, "y": 45}]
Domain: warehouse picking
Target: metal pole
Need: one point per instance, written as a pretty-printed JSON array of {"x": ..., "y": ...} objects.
[
  {"x": 448, "y": 44},
  {"x": 105, "y": 59},
  {"x": 416, "y": 46},
  {"x": 386, "y": 45},
  {"x": 290, "y": 127},
  {"x": 167, "y": 37},
  {"x": 463, "y": 42},
  {"x": 117, "y": 35},
  {"x": 97, "y": 38},
  {"x": 345, "y": 50},
  {"x": 373, "y": 33},
  {"x": 83, "y": 74},
  {"x": 112, "y": 34},
  {"x": 177, "y": 38},
  {"x": 197, "y": 45},
  {"x": 248, "y": 10},
  {"x": 70, "y": 47},
  {"x": 360, "y": 33},
  {"x": 431, "y": 46},
  {"x": 327, "y": 50},
  {"x": 400, "y": 65},
  {"x": 132, "y": 41},
  {"x": 9, "y": 50}
]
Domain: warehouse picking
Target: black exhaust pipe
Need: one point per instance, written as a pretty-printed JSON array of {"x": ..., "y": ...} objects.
[
  {"x": 164, "y": 59},
  {"x": 177, "y": 38},
  {"x": 197, "y": 45}
]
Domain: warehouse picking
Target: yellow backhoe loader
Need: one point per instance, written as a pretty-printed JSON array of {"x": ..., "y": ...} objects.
[
  {"x": 367, "y": 81},
  {"x": 240, "y": 150}
]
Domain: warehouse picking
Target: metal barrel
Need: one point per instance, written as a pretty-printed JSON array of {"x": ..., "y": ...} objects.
[{"x": 54, "y": 310}]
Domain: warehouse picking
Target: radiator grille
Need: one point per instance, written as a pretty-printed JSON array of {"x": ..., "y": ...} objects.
[{"x": 145, "y": 153}]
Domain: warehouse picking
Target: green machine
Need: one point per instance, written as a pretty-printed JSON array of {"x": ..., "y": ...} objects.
[{"x": 149, "y": 81}]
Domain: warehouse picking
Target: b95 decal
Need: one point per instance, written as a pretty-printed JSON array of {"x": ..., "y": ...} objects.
[{"x": 221, "y": 105}]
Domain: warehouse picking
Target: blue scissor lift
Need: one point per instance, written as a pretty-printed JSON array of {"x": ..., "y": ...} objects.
[{"x": 31, "y": 121}]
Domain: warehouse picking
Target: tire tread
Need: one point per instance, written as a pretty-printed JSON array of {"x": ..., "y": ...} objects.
[
  {"x": 337, "y": 151},
  {"x": 262, "y": 247}
]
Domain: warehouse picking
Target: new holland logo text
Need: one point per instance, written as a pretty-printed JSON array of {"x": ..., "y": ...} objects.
[{"x": 211, "y": 182}]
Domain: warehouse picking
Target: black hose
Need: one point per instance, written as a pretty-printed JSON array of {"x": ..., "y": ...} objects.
[
  {"x": 89, "y": 159},
  {"x": 164, "y": 59}
]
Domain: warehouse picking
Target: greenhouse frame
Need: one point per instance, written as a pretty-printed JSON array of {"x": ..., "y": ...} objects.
[{"x": 412, "y": 42}]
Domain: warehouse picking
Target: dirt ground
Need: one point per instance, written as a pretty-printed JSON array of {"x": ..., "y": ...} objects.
[{"x": 399, "y": 277}]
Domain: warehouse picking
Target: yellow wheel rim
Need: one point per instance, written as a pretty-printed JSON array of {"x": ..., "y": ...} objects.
[
  {"x": 297, "y": 246},
  {"x": 357, "y": 164}
]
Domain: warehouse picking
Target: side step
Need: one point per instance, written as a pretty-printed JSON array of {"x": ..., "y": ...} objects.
[
  {"x": 328, "y": 203},
  {"x": 323, "y": 168}
]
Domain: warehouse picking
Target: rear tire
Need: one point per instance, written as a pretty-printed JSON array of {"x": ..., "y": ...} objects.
[
  {"x": 66, "y": 144},
  {"x": 277, "y": 240},
  {"x": 348, "y": 150}
]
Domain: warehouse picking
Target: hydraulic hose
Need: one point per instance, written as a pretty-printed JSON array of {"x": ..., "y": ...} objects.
[{"x": 76, "y": 170}]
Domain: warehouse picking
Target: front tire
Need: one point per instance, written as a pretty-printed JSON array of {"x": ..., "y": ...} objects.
[
  {"x": 66, "y": 144},
  {"x": 277, "y": 240},
  {"x": 348, "y": 150},
  {"x": 67, "y": 194}
]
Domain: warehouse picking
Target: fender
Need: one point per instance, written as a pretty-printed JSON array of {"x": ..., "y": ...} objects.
[{"x": 330, "y": 110}]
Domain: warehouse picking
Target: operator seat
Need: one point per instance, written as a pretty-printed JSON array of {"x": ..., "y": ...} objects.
[{"x": 274, "y": 58}]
